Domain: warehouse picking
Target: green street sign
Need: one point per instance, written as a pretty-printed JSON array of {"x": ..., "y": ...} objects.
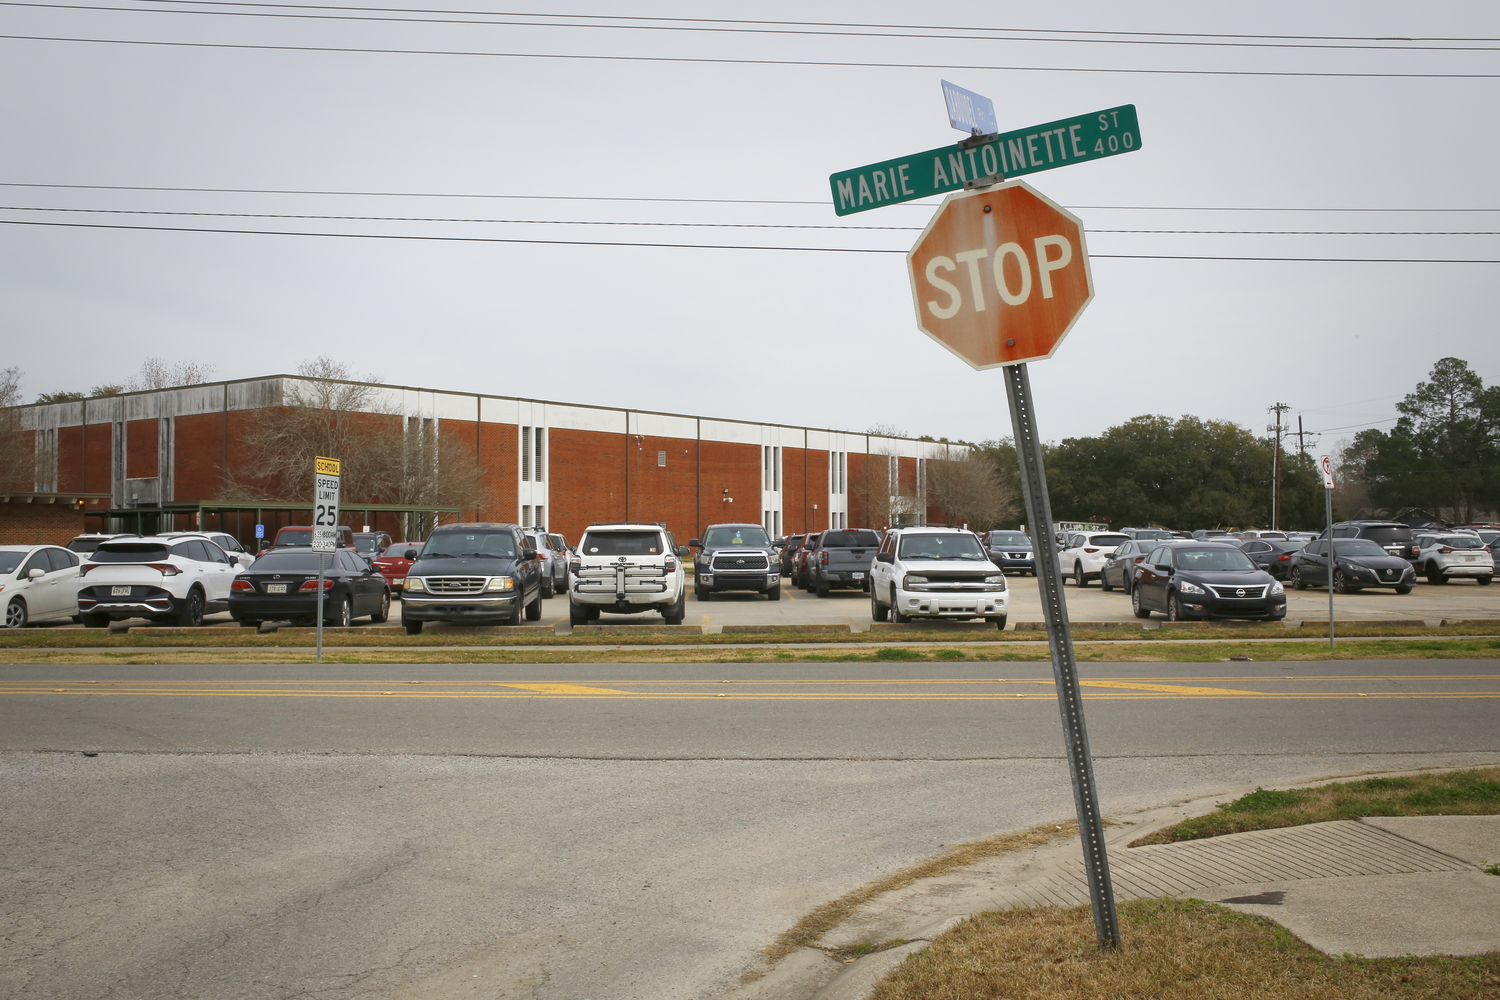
[{"x": 1009, "y": 154}]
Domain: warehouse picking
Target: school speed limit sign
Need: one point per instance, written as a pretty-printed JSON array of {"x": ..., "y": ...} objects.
[{"x": 325, "y": 533}]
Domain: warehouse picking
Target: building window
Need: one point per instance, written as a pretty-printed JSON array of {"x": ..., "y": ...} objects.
[
  {"x": 541, "y": 516},
  {"x": 539, "y": 463},
  {"x": 776, "y": 468},
  {"x": 526, "y": 515},
  {"x": 526, "y": 454},
  {"x": 661, "y": 460}
]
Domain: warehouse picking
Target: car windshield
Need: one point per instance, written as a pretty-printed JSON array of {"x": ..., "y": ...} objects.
[
  {"x": 852, "y": 539},
  {"x": 470, "y": 545},
  {"x": 292, "y": 562},
  {"x": 1462, "y": 542},
  {"x": 1213, "y": 560},
  {"x": 1146, "y": 533},
  {"x": 1009, "y": 538},
  {"x": 1357, "y": 547},
  {"x": 942, "y": 547},
  {"x": 1394, "y": 535},
  {"x": 10, "y": 560},
  {"x": 1278, "y": 535},
  {"x": 1488, "y": 537},
  {"x": 398, "y": 551},
  {"x": 85, "y": 544},
  {"x": 1105, "y": 541},
  {"x": 366, "y": 545},
  {"x": 622, "y": 543},
  {"x": 294, "y": 537},
  {"x": 129, "y": 552},
  {"x": 741, "y": 537}
]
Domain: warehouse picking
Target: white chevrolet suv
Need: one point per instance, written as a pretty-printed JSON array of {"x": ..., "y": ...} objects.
[
  {"x": 624, "y": 568},
  {"x": 1084, "y": 554},
  {"x": 931, "y": 571},
  {"x": 175, "y": 580}
]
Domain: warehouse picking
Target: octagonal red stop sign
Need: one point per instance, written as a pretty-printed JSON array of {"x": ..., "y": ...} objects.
[{"x": 1000, "y": 275}]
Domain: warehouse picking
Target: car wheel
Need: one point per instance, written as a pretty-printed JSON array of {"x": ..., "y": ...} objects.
[
  {"x": 1174, "y": 608},
  {"x": 412, "y": 628},
  {"x": 1135, "y": 604},
  {"x": 1297, "y": 582},
  {"x": 878, "y": 612},
  {"x": 1340, "y": 583},
  {"x": 1404, "y": 589},
  {"x": 820, "y": 588},
  {"x": 896, "y": 616},
  {"x": 380, "y": 617},
  {"x": 700, "y": 592},
  {"x": 1125, "y": 585},
  {"x": 577, "y": 615},
  {"x": 95, "y": 621},
  {"x": 999, "y": 621},
  {"x": 15, "y": 613},
  {"x": 774, "y": 594},
  {"x": 534, "y": 609},
  {"x": 1435, "y": 575},
  {"x": 677, "y": 612},
  {"x": 547, "y": 590},
  {"x": 343, "y": 615},
  {"x": 1104, "y": 583},
  {"x": 1483, "y": 581},
  {"x": 1078, "y": 578},
  {"x": 191, "y": 616}
]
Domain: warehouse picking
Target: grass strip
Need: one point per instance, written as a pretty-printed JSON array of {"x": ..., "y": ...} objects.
[
  {"x": 1456, "y": 793},
  {"x": 1161, "y": 652},
  {"x": 808, "y": 931},
  {"x": 1172, "y": 950}
]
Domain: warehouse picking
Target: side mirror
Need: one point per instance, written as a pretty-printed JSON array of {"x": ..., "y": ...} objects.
[
  {"x": 885, "y": 557},
  {"x": 528, "y": 552},
  {"x": 234, "y": 560},
  {"x": 683, "y": 552},
  {"x": 36, "y": 573},
  {"x": 696, "y": 543},
  {"x": 409, "y": 554}
]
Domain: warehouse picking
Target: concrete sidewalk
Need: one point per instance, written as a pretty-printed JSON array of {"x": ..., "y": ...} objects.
[{"x": 1374, "y": 887}]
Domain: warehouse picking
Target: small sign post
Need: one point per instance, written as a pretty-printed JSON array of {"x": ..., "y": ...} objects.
[
  {"x": 969, "y": 112},
  {"x": 327, "y": 475},
  {"x": 1325, "y": 463}
]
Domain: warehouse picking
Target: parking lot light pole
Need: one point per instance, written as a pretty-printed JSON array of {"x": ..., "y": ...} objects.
[{"x": 1064, "y": 663}]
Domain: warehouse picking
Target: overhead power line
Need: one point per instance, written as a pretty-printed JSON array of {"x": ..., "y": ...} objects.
[
  {"x": 717, "y": 27},
  {"x": 707, "y": 60},
  {"x": 923, "y": 203},
  {"x": 705, "y": 225},
  {"x": 712, "y": 246}
]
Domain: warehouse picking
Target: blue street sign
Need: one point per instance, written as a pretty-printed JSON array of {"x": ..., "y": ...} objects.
[
  {"x": 970, "y": 112},
  {"x": 260, "y": 531}
]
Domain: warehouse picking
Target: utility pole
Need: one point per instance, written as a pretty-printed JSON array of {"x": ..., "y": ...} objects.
[
  {"x": 1302, "y": 436},
  {"x": 1278, "y": 410}
]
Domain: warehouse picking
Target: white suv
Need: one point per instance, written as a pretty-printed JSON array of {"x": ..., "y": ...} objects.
[
  {"x": 1460, "y": 554},
  {"x": 935, "y": 572},
  {"x": 1084, "y": 553},
  {"x": 176, "y": 580},
  {"x": 624, "y": 568}
]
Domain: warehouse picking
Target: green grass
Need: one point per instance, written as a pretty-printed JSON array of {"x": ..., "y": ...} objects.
[{"x": 1457, "y": 793}]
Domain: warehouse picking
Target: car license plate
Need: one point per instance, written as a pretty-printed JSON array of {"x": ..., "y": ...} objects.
[
  {"x": 276, "y": 588},
  {"x": 857, "y": 576},
  {"x": 119, "y": 591}
]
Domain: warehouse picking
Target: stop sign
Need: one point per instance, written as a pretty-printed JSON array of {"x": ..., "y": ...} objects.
[{"x": 999, "y": 275}]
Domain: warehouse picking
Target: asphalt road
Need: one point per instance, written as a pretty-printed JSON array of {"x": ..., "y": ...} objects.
[{"x": 589, "y": 830}]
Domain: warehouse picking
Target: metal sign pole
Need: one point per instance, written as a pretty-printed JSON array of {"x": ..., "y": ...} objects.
[
  {"x": 320, "y": 607},
  {"x": 1328, "y": 509},
  {"x": 1064, "y": 665}
]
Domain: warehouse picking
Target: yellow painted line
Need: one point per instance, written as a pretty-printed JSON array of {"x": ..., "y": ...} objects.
[
  {"x": 563, "y": 689},
  {"x": 768, "y": 696},
  {"x": 705, "y": 619},
  {"x": 1164, "y": 688}
]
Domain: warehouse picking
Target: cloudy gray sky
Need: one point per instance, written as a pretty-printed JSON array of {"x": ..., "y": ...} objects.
[{"x": 676, "y": 134}]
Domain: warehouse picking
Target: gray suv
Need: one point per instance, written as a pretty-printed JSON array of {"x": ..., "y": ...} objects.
[{"x": 736, "y": 557}]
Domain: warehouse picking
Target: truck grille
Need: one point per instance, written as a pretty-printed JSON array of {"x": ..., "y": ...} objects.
[
  {"x": 617, "y": 579},
  {"x": 455, "y": 584},
  {"x": 1254, "y": 592},
  {"x": 747, "y": 562}
]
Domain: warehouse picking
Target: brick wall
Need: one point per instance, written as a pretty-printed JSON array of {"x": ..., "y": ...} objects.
[
  {"x": 40, "y": 523},
  {"x": 804, "y": 482},
  {"x": 98, "y": 459},
  {"x": 667, "y": 492},
  {"x": 735, "y": 467},
  {"x": 141, "y": 448},
  {"x": 198, "y": 457},
  {"x": 588, "y": 478}
]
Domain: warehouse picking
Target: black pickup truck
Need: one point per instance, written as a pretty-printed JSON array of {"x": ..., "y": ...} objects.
[{"x": 841, "y": 558}]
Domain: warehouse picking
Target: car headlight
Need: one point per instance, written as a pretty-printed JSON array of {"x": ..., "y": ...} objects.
[
  {"x": 912, "y": 578},
  {"x": 997, "y": 581},
  {"x": 414, "y": 584},
  {"x": 500, "y": 583},
  {"x": 1188, "y": 587},
  {"x": 1276, "y": 588}
]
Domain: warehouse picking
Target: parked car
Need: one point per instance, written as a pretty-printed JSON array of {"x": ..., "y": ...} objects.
[
  {"x": 1197, "y": 579},
  {"x": 799, "y": 558},
  {"x": 223, "y": 540},
  {"x": 553, "y": 557},
  {"x": 1301, "y": 536},
  {"x": 626, "y": 568},
  {"x": 395, "y": 561},
  {"x": 1206, "y": 533},
  {"x": 299, "y": 536},
  {"x": 283, "y": 586},
  {"x": 38, "y": 583},
  {"x": 370, "y": 544},
  {"x": 1261, "y": 533},
  {"x": 1491, "y": 537},
  {"x": 735, "y": 557},
  {"x": 935, "y": 572},
  {"x": 1272, "y": 555},
  {"x": 1393, "y": 536},
  {"x": 1120, "y": 568},
  {"x": 481, "y": 573},
  {"x": 787, "y": 557},
  {"x": 84, "y": 544},
  {"x": 1159, "y": 534},
  {"x": 175, "y": 580},
  {"x": 1446, "y": 557},
  {"x": 1085, "y": 552},
  {"x": 1358, "y": 563},
  {"x": 1011, "y": 550},
  {"x": 841, "y": 558}
]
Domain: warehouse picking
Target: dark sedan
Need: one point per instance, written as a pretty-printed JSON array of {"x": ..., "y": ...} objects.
[
  {"x": 283, "y": 586},
  {"x": 1359, "y": 563},
  {"x": 1011, "y": 550},
  {"x": 1187, "y": 580},
  {"x": 1120, "y": 569},
  {"x": 1272, "y": 554}
]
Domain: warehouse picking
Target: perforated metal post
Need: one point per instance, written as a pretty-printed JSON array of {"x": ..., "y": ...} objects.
[{"x": 1064, "y": 664}]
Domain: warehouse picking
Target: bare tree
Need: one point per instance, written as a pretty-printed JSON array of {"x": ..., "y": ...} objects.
[
  {"x": 17, "y": 446},
  {"x": 156, "y": 373},
  {"x": 966, "y": 486}
]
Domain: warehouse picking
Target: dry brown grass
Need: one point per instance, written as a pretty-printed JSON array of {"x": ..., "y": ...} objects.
[
  {"x": 1172, "y": 950},
  {"x": 1454, "y": 793},
  {"x": 811, "y": 928}
]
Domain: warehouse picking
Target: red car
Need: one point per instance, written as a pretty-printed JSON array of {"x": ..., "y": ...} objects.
[{"x": 395, "y": 561}]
